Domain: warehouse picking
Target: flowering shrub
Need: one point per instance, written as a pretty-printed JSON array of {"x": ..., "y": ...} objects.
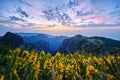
[{"x": 25, "y": 65}]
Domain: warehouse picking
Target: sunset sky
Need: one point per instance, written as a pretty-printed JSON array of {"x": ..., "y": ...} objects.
[{"x": 61, "y": 17}]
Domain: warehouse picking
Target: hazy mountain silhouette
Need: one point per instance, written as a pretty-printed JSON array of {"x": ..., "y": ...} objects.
[
  {"x": 40, "y": 45},
  {"x": 54, "y": 41}
]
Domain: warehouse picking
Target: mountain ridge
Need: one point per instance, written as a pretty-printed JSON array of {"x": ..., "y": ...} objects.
[
  {"x": 63, "y": 44},
  {"x": 90, "y": 44}
]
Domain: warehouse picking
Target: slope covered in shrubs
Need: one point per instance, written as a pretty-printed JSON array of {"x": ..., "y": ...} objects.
[{"x": 24, "y": 65}]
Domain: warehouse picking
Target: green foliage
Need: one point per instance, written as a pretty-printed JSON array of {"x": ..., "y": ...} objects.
[{"x": 4, "y": 49}]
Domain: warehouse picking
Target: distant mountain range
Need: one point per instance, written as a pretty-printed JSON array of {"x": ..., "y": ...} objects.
[
  {"x": 53, "y": 41},
  {"x": 32, "y": 34},
  {"x": 63, "y": 44}
]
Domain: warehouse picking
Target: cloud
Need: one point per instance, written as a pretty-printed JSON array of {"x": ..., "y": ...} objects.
[
  {"x": 73, "y": 3},
  {"x": 86, "y": 13},
  {"x": 99, "y": 25},
  {"x": 55, "y": 15},
  {"x": 99, "y": 19},
  {"x": 28, "y": 25},
  {"x": 115, "y": 12},
  {"x": 16, "y": 18},
  {"x": 63, "y": 12},
  {"x": 23, "y": 2},
  {"x": 73, "y": 12},
  {"x": 22, "y": 13},
  {"x": 117, "y": 6},
  {"x": 52, "y": 25}
]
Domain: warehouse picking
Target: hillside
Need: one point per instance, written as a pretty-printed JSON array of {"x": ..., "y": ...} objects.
[
  {"x": 12, "y": 40},
  {"x": 93, "y": 45}
]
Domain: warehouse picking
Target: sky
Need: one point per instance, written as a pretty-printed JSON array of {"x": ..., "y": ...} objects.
[{"x": 61, "y": 17}]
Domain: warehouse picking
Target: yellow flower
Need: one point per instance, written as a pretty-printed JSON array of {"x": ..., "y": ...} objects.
[
  {"x": 58, "y": 54},
  {"x": 90, "y": 68},
  {"x": 111, "y": 77},
  {"x": 26, "y": 52},
  {"x": 48, "y": 65},
  {"x": 42, "y": 53},
  {"x": 68, "y": 67},
  {"x": 18, "y": 50},
  {"x": 15, "y": 72},
  {"x": 2, "y": 77},
  {"x": 59, "y": 77}
]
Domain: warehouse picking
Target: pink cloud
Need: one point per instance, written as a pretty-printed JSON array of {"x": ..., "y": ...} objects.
[{"x": 99, "y": 19}]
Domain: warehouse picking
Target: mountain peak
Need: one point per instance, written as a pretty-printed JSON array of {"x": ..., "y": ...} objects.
[
  {"x": 12, "y": 39},
  {"x": 9, "y": 33}
]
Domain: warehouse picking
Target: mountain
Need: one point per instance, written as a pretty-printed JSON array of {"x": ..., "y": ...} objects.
[
  {"x": 71, "y": 44},
  {"x": 33, "y": 34},
  {"x": 54, "y": 41},
  {"x": 31, "y": 41},
  {"x": 26, "y": 34},
  {"x": 36, "y": 38},
  {"x": 90, "y": 44},
  {"x": 64, "y": 44},
  {"x": 108, "y": 42},
  {"x": 40, "y": 45},
  {"x": 12, "y": 40}
]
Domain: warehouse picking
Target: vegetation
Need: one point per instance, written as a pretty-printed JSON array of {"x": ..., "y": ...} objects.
[{"x": 24, "y": 65}]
